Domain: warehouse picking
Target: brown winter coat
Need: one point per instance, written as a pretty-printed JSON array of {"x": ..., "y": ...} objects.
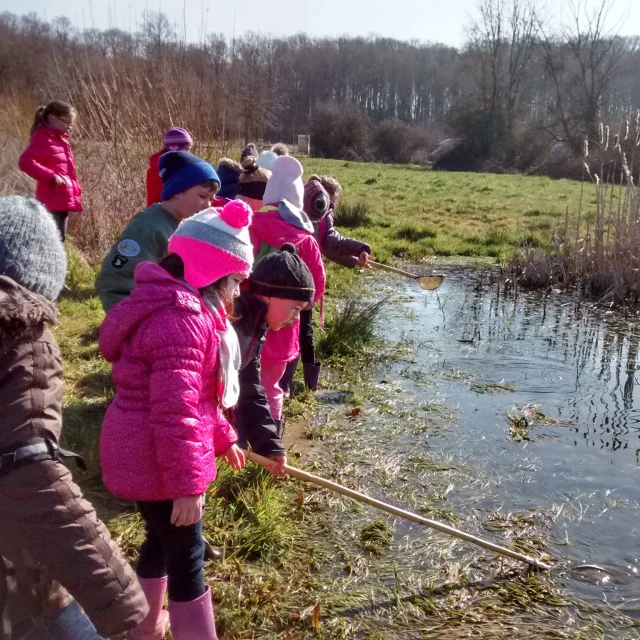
[{"x": 49, "y": 533}]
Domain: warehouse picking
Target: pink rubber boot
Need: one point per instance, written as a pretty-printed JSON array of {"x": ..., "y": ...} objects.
[
  {"x": 193, "y": 620},
  {"x": 156, "y": 624}
]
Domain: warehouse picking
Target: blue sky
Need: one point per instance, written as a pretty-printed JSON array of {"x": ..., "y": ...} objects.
[{"x": 429, "y": 20}]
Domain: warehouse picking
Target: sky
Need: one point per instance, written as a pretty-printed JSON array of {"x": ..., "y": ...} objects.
[{"x": 426, "y": 20}]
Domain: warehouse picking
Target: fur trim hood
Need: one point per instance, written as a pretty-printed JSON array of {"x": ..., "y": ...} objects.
[{"x": 21, "y": 311}]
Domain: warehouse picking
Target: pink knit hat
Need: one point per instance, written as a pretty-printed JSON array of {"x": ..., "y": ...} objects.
[{"x": 214, "y": 243}]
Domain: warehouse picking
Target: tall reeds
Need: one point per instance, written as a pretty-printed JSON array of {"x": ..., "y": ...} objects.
[{"x": 601, "y": 255}]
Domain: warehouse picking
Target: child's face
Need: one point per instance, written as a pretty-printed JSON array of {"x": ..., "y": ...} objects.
[
  {"x": 62, "y": 123},
  {"x": 283, "y": 313},
  {"x": 193, "y": 200},
  {"x": 232, "y": 285}
]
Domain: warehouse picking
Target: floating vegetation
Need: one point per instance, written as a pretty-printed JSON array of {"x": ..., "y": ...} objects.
[
  {"x": 525, "y": 417},
  {"x": 376, "y": 536},
  {"x": 491, "y": 387},
  {"x": 443, "y": 514}
]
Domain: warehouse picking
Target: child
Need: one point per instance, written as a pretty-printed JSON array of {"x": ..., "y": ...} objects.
[
  {"x": 318, "y": 205},
  {"x": 188, "y": 185},
  {"x": 49, "y": 161},
  {"x": 229, "y": 172},
  {"x": 50, "y": 533},
  {"x": 175, "y": 367},
  {"x": 280, "y": 221},
  {"x": 280, "y": 286},
  {"x": 345, "y": 251},
  {"x": 253, "y": 182},
  {"x": 175, "y": 139}
]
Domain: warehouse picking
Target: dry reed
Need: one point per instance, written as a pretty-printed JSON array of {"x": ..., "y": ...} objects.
[{"x": 602, "y": 255}]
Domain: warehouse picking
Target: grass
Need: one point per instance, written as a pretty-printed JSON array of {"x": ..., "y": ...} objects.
[
  {"x": 415, "y": 213},
  {"x": 350, "y": 328},
  {"x": 352, "y": 215}
]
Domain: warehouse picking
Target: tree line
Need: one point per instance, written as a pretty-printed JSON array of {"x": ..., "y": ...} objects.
[{"x": 520, "y": 84}]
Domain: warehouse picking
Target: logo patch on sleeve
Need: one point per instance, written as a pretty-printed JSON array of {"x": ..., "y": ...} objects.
[
  {"x": 129, "y": 248},
  {"x": 119, "y": 261}
]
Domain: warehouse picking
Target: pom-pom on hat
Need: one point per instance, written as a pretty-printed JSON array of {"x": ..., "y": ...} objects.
[
  {"x": 214, "y": 243},
  {"x": 31, "y": 252},
  {"x": 316, "y": 201},
  {"x": 283, "y": 274},
  {"x": 177, "y": 139},
  {"x": 285, "y": 182},
  {"x": 249, "y": 150},
  {"x": 181, "y": 170}
]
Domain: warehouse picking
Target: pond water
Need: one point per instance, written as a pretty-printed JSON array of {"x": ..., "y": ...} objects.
[{"x": 483, "y": 353}]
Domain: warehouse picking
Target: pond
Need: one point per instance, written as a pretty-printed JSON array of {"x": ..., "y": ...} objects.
[{"x": 544, "y": 397}]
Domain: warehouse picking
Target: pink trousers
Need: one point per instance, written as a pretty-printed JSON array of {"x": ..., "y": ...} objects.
[{"x": 270, "y": 378}]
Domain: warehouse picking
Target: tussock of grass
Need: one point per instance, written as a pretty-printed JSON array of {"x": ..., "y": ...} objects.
[
  {"x": 352, "y": 215},
  {"x": 351, "y": 328},
  {"x": 414, "y": 233}
]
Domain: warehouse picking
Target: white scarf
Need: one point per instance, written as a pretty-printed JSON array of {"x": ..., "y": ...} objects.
[{"x": 228, "y": 356}]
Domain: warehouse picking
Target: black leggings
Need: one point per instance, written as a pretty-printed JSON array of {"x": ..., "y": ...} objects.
[
  {"x": 175, "y": 552},
  {"x": 307, "y": 347},
  {"x": 61, "y": 218}
]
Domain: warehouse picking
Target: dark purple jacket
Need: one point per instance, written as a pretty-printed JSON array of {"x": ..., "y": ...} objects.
[{"x": 336, "y": 247}]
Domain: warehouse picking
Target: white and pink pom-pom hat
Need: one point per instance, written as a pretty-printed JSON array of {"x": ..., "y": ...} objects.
[{"x": 214, "y": 243}]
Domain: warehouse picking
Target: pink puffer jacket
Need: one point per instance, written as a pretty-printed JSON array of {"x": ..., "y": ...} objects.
[
  {"x": 267, "y": 226},
  {"x": 164, "y": 428},
  {"x": 49, "y": 154}
]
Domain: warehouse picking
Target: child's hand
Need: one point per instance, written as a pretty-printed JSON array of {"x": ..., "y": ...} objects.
[
  {"x": 277, "y": 465},
  {"x": 363, "y": 260},
  {"x": 58, "y": 181},
  {"x": 186, "y": 511},
  {"x": 234, "y": 457}
]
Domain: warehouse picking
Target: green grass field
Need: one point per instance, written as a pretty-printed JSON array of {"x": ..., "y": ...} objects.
[{"x": 417, "y": 213}]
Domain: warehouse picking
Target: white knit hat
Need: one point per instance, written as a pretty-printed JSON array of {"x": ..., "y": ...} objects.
[
  {"x": 266, "y": 160},
  {"x": 285, "y": 182}
]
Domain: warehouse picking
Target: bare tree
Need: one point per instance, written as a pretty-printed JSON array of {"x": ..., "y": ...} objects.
[{"x": 582, "y": 62}]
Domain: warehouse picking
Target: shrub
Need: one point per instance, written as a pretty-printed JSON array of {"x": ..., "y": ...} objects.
[
  {"x": 340, "y": 131},
  {"x": 352, "y": 215},
  {"x": 393, "y": 141}
]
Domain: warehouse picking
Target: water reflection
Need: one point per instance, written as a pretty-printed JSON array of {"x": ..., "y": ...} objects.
[{"x": 579, "y": 361}]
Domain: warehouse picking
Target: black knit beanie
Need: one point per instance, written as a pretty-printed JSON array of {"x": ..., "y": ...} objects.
[{"x": 283, "y": 274}]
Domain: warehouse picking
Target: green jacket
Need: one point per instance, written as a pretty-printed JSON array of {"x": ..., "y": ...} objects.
[{"x": 146, "y": 238}]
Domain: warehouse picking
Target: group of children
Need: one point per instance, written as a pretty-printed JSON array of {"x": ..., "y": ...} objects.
[{"x": 208, "y": 294}]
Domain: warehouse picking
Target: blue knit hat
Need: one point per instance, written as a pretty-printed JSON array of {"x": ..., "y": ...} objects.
[
  {"x": 31, "y": 252},
  {"x": 181, "y": 170}
]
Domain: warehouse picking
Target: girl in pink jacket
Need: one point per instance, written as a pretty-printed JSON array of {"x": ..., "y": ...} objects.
[
  {"x": 49, "y": 161},
  {"x": 282, "y": 220},
  {"x": 175, "y": 367}
]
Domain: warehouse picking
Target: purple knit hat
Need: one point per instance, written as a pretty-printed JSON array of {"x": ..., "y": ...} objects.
[{"x": 177, "y": 139}]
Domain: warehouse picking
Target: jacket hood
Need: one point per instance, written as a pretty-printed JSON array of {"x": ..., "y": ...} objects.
[
  {"x": 154, "y": 289},
  {"x": 21, "y": 311},
  {"x": 284, "y": 224}
]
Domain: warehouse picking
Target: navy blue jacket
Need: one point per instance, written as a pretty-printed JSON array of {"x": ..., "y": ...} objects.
[{"x": 253, "y": 421}]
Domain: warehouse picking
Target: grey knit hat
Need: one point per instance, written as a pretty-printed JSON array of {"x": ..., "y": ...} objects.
[
  {"x": 31, "y": 252},
  {"x": 283, "y": 274}
]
